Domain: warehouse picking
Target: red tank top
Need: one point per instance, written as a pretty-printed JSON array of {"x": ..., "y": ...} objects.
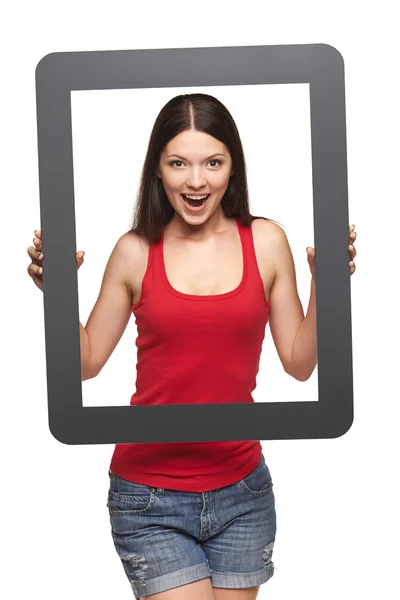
[{"x": 181, "y": 337}]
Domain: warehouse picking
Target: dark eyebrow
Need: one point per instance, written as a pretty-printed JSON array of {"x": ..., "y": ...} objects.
[{"x": 183, "y": 158}]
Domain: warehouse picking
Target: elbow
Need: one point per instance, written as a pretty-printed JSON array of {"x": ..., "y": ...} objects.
[
  {"x": 302, "y": 376},
  {"x": 88, "y": 374},
  {"x": 299, "y": 374}
]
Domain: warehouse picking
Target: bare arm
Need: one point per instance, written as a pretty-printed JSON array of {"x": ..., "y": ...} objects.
[
  {"x": 111, "y": 313},
  {"x": 294, "y": 334},
  {"x": 304, "y": 352},
  {"x": 85, "y": 353},
  {"x": 35, "y": 270},
  {"x": 112, "y": 310}
]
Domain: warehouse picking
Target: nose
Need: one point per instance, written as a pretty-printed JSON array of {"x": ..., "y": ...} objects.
[{"x": 196, "y": 179}]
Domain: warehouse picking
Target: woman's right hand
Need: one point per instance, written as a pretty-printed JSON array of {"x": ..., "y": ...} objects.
[{"x": 35, "y": 269}]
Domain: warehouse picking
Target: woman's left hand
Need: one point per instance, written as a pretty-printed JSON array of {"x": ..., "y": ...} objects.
[{"x": 352, "y": 253}]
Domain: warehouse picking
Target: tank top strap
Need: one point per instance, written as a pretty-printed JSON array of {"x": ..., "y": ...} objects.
[
  {"x": 155, "y": 254},
  {"x": 246, "y": 233},
  {"x": 153, "y": 248}
]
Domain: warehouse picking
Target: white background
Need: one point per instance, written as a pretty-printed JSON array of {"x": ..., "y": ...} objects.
[
  {"x": 110, "y": 133},
  {"x": 337, "y": 500}
]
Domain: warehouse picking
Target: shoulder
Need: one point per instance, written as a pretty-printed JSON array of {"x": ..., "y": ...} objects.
[
  {"x": 130, "y": 255},
  {"x": 132, "y": 245},
  {"x": 268, "y": 235},
  {"x": 272, "y": 246}
]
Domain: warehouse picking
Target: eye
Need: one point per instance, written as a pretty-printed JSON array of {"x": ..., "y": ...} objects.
[{"x": 177, "y": 163}]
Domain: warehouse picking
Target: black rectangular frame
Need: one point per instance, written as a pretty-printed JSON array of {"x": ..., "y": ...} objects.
[{"x": 60, "y": 73}]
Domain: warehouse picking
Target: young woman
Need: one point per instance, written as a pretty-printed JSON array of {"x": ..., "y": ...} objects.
[{"x": 203, "y": 277}]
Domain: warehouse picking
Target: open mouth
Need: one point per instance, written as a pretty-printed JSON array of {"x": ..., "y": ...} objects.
[{"x": 195, "y": 200}]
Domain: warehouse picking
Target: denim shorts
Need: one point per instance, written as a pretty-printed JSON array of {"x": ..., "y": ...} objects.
[{"x": 166, "y": 538}]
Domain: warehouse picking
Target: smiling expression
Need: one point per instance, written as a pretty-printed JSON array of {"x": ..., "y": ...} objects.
[{"x": 195, "y": 164}]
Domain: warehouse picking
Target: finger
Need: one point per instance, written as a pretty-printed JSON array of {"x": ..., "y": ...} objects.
[
  {"x": 353, "y": 236},
  {"x": 351, "y": 228},
  {"x": 35, "y": 270},
  {"x": 38, "y": 234},
  {"x": 79, "y": 258},
  {"x": 37, "y": 243},
  {"x": 36, "y": 256},
  {"x": 352, "y": 252},
  {"x": 352, "y": 266}
]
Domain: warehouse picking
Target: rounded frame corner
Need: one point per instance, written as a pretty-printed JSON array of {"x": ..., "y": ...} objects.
[
  {"x": 60, "y": 434},
  {"x": 344, "y": 427},
  {"x": 332, "y": 51},
  {"x": 43, "y": 65}
]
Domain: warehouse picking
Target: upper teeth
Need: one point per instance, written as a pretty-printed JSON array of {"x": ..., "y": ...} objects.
[{"x": 196, "y": 197}]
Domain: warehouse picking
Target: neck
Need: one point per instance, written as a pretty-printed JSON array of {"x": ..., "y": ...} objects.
[{"x": 216, "y": 223}]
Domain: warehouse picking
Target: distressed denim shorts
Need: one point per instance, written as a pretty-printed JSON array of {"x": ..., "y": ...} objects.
[{"x": 166, "y": 538}]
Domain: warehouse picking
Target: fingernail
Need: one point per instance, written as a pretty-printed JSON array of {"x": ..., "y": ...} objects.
[{"x": 39, "y": 255}]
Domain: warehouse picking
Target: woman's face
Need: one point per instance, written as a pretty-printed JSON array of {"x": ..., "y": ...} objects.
[{"x": 195, "y": 164}]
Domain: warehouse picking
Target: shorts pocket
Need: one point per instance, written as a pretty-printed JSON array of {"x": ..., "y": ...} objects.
[
  {"x": 258, "y": 482},
  {"x": 128, "y": 497}
]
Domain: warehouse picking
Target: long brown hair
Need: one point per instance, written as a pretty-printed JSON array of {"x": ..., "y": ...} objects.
[{"x": 199, "y": 112}]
